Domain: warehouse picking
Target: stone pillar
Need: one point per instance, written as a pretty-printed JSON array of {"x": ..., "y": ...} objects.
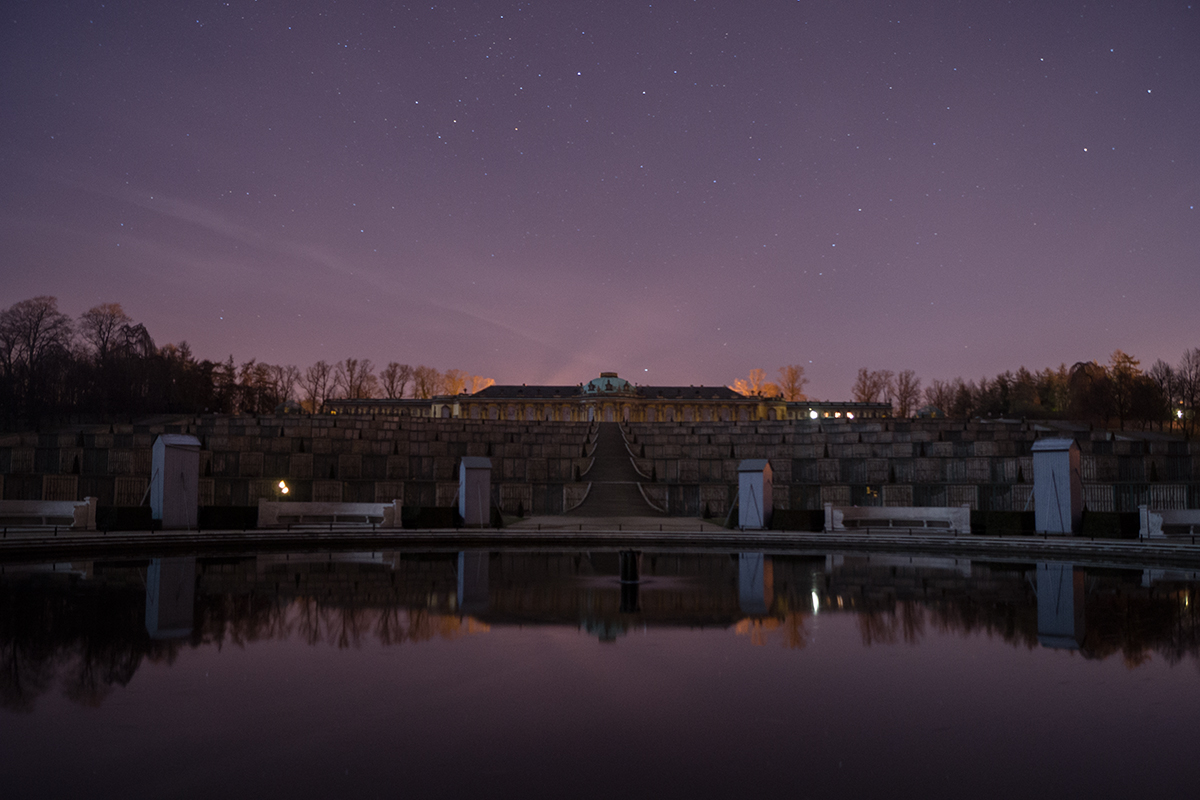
[
  {"x": 170, "y": 597},
  {"x": 756, "y": 590},
  {"x": 175, "y": 481},
  {"x": 475, "y": 490},
  {"x": 1060, "y": 595},
  {"x": 1149, "y": 524},
  {"x": 754, "y": 493},
  {"x": 473, "y": 593},
  {"x": 1057, "y": 486}
]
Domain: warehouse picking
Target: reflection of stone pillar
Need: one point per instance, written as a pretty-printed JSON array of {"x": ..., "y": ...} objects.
[
  {"x": 1060, "y": 595},
  {"x": 175, "y": 481},
  {"x": 475, "y": 490},
  {"x": 1057, "y": 486},
  {"x": 754, "y": 493},
  {"x": 756, "y": 590},
  {"x": 170, "y": 597},
  {"x": 473, "y": 594},
  {"x": 630, "y": 578}
]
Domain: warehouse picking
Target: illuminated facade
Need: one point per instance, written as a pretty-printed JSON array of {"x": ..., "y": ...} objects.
[{"x": 610, "y": 398}]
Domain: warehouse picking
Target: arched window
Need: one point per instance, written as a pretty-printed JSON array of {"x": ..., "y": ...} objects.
[
  {"x": 608, "y": 414},
  {"x": 474, "y": 412},
  {"x": 651, "y": 415}
]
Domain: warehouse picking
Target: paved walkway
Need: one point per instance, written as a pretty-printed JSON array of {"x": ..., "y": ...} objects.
[
  {"x": 636, "y": 532},
  {"x": 614, "y": 491}
]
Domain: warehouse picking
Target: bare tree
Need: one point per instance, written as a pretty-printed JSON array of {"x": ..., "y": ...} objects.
[
  {"x": 756, "y": 380},
  {"x": 940, "y": 395},
  {"x": 316, "y": 385},
  {"x": 873, "y": 387},
  {"x": 355, "y": 378},
  {"x": 100, "y": 327},
  {"x": 426, "y": 382},
  {"x": 394, "y": 379},
  {"x": 454, "y": 381},
  {"x": 756, "y": 385},
  {"x": 791, "y": 382},
  {"x": 31, "y": 329},
  {"x": 285, "y": 378},
  {"x": 1187, "y": 377},
  {"x": 35, "y": 337},
  {"x": 908, "y": 393}
]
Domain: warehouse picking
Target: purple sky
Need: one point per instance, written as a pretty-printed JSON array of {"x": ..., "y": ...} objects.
[{"x": 679, "y": 191}]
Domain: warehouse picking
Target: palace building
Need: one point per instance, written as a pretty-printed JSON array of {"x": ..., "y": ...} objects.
[{"x": 611, "y": 398}]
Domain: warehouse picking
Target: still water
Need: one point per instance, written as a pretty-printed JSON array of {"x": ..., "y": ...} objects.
[{"x": 518, "y": 674}]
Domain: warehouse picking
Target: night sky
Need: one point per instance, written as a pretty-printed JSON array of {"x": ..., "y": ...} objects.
[{"x": 678, "y": 191}]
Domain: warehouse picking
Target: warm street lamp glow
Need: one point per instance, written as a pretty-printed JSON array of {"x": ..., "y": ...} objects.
[
  {"x": 812, "y": 415},
  {"x": 283, "y": 487}
]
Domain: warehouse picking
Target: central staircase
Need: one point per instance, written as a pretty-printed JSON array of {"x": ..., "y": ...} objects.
[{"x": 614, "y": 480}]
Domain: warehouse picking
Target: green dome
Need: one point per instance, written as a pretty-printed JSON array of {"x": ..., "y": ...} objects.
[{"x": 608, "y": 383}]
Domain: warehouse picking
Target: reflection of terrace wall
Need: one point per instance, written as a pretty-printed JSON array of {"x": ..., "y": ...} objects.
[
  {"x": 573, "y": 589},
  {"x": 373, "y": 579},
  {"x": 692, "y": 468}
]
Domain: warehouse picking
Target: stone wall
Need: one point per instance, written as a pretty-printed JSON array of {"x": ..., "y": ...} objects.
[
  {"x": 986, "y": 465},
  {"x": 692, "y": 468}
]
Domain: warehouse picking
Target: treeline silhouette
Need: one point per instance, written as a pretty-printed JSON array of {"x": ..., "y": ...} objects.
[
  {"x": 1117, "y": 393},
  {"x": 104, "y": 364},
  {"x": 87, "y": 637}
]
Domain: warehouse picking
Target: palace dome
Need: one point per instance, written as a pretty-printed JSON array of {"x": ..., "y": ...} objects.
[{"x": 608, "y": 383}]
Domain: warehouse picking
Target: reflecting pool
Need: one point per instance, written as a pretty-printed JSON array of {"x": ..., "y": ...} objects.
[{"x": 596, "y": 674}]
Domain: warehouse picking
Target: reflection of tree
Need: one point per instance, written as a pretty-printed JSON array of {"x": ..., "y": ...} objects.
[
  {"x": 877, "y": 626},
  {"x": 795, "y": 635},
  {"x": 101, "y": 663},
  {"x": 352, "y": 624},
  {"x": 389, "y": 629},
  {"x": 26, "y": 675},
  {"x": 89, "y": 636},
  {"x": 239, "y": 619},
  {"x": 791, "y": 625},
  {"x": 52, "y": 626}
]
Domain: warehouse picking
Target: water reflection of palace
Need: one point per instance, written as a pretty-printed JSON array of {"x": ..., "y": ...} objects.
[{"x": 88, "y": 626}]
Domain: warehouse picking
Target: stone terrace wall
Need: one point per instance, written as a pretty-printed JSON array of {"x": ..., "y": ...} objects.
[
  {"x": 692, "y": 466},
  {"x": 322, "y": 458},
  {"x": 986, "y": 465}
]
